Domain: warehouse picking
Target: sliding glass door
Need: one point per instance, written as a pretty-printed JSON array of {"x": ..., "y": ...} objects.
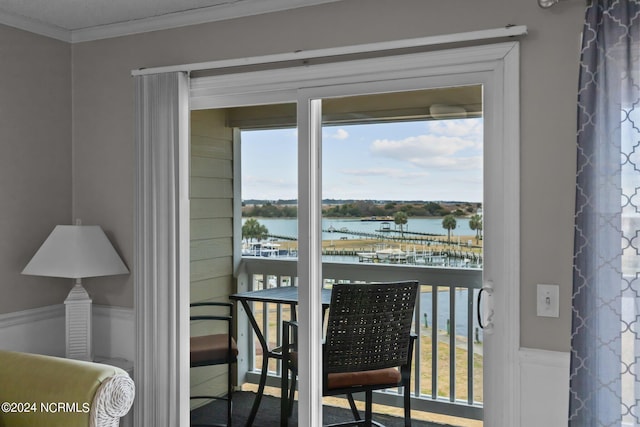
[{"x": 400, "y": 173}]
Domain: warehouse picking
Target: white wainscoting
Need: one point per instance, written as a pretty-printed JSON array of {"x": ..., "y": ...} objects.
[
  {"x": 544, "y": 382},
  {"x": 41, "y": 330},
  {"x": 114, "y": 332}
]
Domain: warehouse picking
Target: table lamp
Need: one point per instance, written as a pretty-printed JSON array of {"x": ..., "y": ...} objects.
[{"x": 76, "y": 252}]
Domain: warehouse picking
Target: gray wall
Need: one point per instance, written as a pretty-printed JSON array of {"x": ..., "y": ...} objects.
[
  {"x": 35, "y": 161},
  {"x": 103, "y": 125}
]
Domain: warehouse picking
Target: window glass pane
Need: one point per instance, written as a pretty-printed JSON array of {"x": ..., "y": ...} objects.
[{"x": 402, "y": 178}]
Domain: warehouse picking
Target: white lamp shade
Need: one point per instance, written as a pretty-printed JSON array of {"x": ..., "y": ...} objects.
[{"x": 76, "y": 251}]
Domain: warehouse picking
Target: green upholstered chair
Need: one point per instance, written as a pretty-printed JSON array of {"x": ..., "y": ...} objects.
[{"x": 38, "y": 390}]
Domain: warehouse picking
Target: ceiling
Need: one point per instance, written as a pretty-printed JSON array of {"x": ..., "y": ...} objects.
[
  {"x": 426, "y": 104},
  {"x": 84, "y": 20}
]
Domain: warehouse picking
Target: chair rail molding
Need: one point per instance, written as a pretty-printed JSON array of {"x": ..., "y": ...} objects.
[
  {"x": 41, "y": 330},
  {"x": 31, "y": 315}
]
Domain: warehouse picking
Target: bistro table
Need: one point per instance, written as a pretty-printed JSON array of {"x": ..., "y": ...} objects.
[{"x": 280, "y": 295}]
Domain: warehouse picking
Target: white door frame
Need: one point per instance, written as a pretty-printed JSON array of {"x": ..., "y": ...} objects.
[{"x": 496, "y": 67}]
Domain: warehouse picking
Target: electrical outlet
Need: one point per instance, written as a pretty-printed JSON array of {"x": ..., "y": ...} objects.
[{"x": 548, "y": 300}]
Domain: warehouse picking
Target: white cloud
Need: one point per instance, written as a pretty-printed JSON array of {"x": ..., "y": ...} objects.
[
  {"x": 468, "y": 129},
  {"x": 251, "y": 180},
  {"x": 421, "y": 146},
  {"x": 370, "y": 172},
  {"x": 338, "y": 134},
  {"x": 432, "y": 151},
  {"x": 384, "y": 172},
  {"x": 450, "y": 163}
]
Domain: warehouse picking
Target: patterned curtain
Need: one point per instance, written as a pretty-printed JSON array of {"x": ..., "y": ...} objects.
[{"x": 605, "y": 344}]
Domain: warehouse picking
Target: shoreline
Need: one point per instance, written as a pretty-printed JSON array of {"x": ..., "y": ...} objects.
[{"x": 367, "y": 244}]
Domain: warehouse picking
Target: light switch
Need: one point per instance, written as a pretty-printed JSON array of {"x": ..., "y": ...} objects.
[{"x": 547, "y": 297}]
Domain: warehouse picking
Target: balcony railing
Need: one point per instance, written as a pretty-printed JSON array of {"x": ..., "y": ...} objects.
[{"x": 448, "y": 363}]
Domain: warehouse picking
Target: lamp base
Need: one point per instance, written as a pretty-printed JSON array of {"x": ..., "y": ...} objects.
[{"x": 78, "y": 312}]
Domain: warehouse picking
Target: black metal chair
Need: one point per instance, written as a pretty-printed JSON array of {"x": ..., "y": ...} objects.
[
  {"x": 368, "y": 346},
  {"x": 217, "y": 348}
]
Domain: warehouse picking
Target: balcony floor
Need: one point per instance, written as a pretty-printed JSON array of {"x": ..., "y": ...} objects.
[{"x": 381, "y": 409}]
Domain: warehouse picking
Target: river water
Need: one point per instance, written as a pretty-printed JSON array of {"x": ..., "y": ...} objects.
[
  {"x": 461, "y": 306},
  {"x": 348, "y": 229},
  {"x": 289, "y": 227}
]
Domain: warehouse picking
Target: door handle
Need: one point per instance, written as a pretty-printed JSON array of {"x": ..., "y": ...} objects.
[{"x": 485, "y": 322}]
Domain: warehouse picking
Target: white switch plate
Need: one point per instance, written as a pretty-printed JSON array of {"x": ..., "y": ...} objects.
[{"x": 547, "y": 298}]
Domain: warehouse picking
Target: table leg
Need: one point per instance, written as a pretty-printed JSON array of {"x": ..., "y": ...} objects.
[{"x": 260, "y": 392}]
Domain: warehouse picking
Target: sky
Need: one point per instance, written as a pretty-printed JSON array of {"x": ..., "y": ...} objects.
[{"x": 421, "y": 160}]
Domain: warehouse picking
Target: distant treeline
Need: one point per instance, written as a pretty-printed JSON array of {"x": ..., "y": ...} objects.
[{"x": 361, "y": 209}]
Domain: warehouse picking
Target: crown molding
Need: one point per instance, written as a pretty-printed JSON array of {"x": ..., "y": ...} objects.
[
  {"x": 36, "y": 27},
  {"x": 172, "y": 20}
]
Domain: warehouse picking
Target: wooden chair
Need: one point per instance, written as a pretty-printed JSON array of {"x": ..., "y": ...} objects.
[
  {"x": 215, "y": 348},
  {"x": 368, "y": 346}
]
